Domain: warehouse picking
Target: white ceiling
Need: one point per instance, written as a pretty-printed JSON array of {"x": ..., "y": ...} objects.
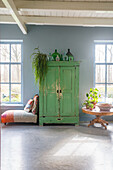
[{"x": 57, "y": 12}]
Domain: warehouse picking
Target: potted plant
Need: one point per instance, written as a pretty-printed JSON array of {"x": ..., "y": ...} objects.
[
  {"x": 92, "y": 98},
  {"x": 39, "y": 65}
]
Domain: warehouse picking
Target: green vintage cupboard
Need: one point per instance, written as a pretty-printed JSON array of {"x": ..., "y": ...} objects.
[{"x": 59, "y": 94}]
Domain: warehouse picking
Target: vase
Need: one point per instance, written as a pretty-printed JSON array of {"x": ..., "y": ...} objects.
[
  {"x": 61, "y": 58},
  {"x": 65, "y": 57},
  {"x": 50, "y": 57},
  {"x": 55, "y": 54},
  {"x": 70, "y": 55}
]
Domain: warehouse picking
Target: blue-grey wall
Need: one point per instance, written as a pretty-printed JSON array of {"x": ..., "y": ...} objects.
[{"x": 79, "y": 39}]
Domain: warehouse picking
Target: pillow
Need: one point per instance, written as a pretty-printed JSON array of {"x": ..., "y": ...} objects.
[
  {"x": 29, "y": 105},
  {"x": 35, "y": 104}
]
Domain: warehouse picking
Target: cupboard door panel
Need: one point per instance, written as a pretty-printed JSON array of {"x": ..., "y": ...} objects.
[
  {"x": 66, "y": 107},
  {"x": 51, "y": 105},
  {"x": 67, "y": 85}
]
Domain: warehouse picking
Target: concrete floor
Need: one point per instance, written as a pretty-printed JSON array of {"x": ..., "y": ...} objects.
[{"x": 30, "y": 147}]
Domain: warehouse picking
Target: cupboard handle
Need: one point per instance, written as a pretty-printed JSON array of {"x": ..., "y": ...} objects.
[
  {"x": 60, "y": 91},
  {"x": 57, "y": 91},
  {"x": 58, "y": 119}
]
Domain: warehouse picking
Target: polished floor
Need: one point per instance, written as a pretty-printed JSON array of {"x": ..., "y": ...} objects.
[{"x": 30, "y": 147}]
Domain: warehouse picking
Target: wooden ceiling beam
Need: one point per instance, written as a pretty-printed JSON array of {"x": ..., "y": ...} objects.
[
  {"x": 6, "y": 19},
  {"x": 74, "y": 21},
  {"x": 10, "y": 5},
  {"x": 2, "y": 4},
  {"x": 66, "y": 21},
  {"x": 67, "y": 5}
]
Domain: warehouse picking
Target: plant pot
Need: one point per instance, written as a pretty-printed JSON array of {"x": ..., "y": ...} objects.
[
  {"x": 94, "y": 103},
  {"x": 94, "y": 106},
  {"x": 91, "y": 108},
  {"x": 87, "y": 106}
]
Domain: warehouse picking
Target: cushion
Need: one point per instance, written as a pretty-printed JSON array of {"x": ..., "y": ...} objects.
[
  {"x": 18, "y": 116},
  {"x": 29, "y": 105},
  {"x": 35, "y": 104}
]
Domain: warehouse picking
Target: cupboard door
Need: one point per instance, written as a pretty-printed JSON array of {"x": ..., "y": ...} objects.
[
  {"x": 51, "y": 103},
  {"x": 67, "y": 95}
]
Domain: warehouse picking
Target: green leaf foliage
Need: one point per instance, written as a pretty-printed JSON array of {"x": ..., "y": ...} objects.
[
  {"x": 87, "y": 95},
  {"x": 91, "y": 90},
  {"x": 39, "y": 65},
  {"x": 91, "y": 105},
  {"x": 92, "y": 97}
]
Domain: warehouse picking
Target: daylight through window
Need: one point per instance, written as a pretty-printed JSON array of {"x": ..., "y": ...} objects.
[
  {"x": 104, "y": 70},
  {"x": 11, "y": 72}
]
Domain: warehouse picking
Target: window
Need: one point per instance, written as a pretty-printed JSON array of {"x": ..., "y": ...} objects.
[
  {"x": 11, "y": 71},
  {"x": 104, "y": 70}
]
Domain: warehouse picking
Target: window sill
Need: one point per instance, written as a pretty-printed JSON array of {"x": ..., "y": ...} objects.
[
  {"x": 11, "y": 104},
  {"x": 6, "y": 106}
]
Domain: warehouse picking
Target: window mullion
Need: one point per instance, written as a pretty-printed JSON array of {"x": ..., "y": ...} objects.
[
  {"x": 10, "y": 76},
  {"x": 105, "y": 72},
  {"x": 21, "y": 73}
]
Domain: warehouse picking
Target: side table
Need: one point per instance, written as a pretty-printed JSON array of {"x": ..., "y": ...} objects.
[{"x": 98, "y": 115}]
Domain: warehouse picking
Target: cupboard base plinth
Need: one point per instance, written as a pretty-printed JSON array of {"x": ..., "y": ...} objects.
[{"x": 59, "y": 120}]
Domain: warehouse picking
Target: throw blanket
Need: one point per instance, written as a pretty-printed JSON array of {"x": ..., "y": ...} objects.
[{"x": 18, "y": 116}]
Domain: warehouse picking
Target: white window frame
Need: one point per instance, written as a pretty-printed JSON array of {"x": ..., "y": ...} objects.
[
  {"x": 98, "y": 42},
  {"x": 10, "y": 42}
]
